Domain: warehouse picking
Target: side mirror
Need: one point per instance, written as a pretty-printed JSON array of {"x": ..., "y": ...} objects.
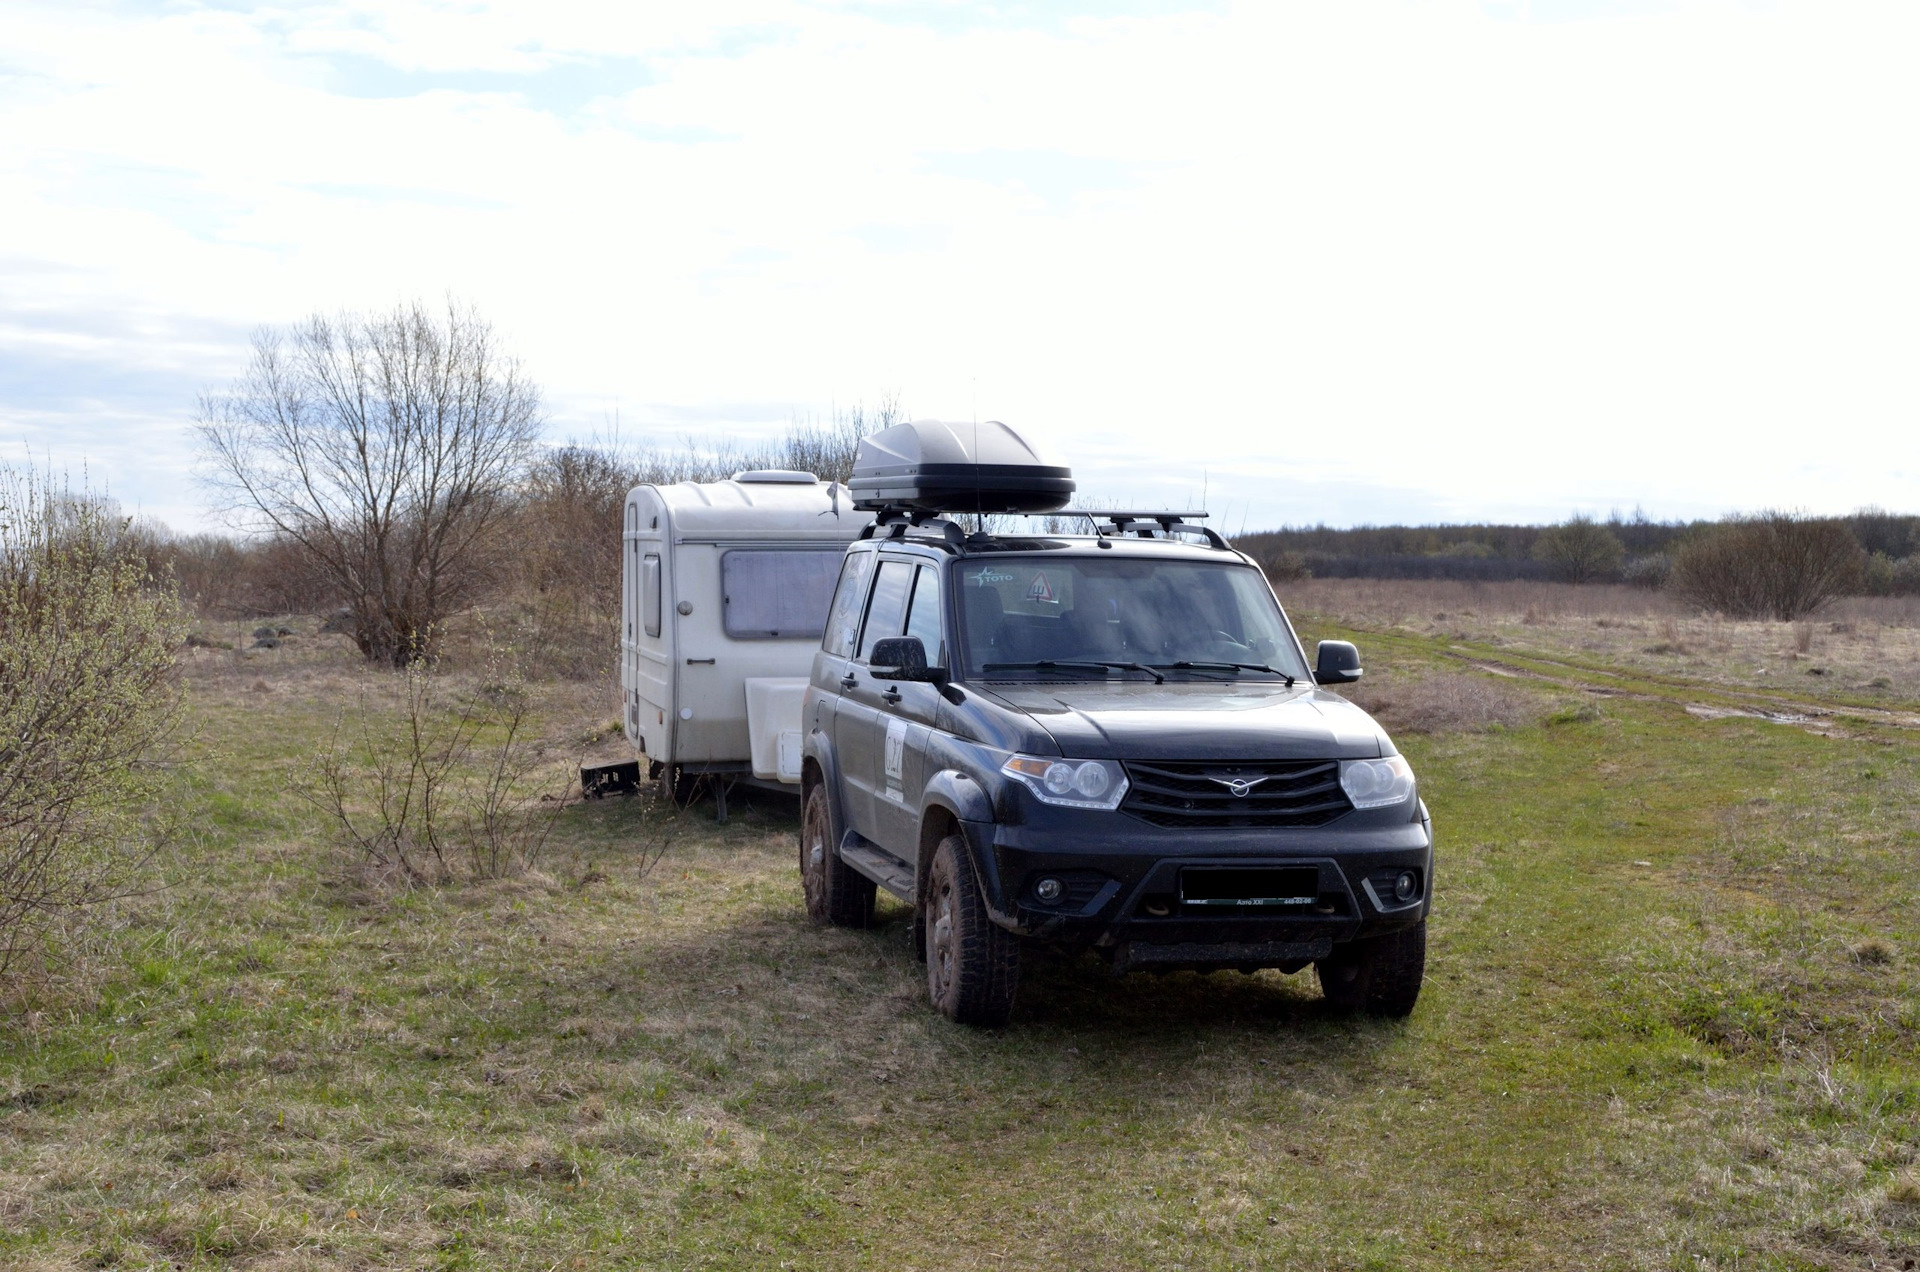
[
  {"x": 904, "y": 658},
  {"x": 1336, "y": 662}
]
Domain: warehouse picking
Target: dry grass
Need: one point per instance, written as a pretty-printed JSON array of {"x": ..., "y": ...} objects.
[
  {"x": 1447, "y": 702},
  {"x": 1865, "y": 646}
]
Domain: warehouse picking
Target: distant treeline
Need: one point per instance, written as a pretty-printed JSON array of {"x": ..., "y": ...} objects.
[{"x": 1500, "y": 552}]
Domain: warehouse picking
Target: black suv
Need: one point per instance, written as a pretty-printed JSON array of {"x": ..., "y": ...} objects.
[{"x": 1110, "y": 741}]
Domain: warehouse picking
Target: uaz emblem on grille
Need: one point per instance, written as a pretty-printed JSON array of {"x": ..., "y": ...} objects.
[{"x": 1238, "y": 785}]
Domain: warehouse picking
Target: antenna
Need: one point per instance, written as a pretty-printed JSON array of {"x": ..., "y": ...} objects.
[{"x": 980, "y": 514}]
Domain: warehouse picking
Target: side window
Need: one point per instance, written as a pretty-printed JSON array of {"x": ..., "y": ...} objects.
[
  {"x": 650, "y": 592},
  {"x": 923, "y": 615},
  {"x": 843, "y": 619},
  {"x": 887, "y": 612},
  {"x": 769, "y": 593}
]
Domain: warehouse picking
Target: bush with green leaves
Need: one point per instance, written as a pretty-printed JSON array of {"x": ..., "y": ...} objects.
[
  {"x": 1579, "y": 550},
  {"x": 88, "y": 702},
  {"x": 1773, "y": 565}
]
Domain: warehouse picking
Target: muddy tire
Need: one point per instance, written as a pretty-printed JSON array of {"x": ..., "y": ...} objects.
[
  {"x": 835, "y": 892},
  {"x": 973, "y": 966},
  {"x": 1380, "y": 975}
]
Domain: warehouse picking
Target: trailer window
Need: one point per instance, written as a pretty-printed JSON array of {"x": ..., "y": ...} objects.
[
  {"x": 777, "y": 593},
  {"x": 650, "y": 592}
]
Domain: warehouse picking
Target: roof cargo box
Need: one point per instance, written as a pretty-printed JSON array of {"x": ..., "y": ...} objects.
[{"x": 933, "y": 466}]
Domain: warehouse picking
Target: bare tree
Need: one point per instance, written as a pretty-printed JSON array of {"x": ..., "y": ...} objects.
[
  {"x": 828, "y": 450},
  {"x": 387, "y": 447}
]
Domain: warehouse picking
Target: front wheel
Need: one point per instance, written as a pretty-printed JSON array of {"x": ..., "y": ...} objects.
[
  {"x": 1380, "y": 975},
  {"x": 836, "y": 893},
  {"x": 973, "y": 965}
]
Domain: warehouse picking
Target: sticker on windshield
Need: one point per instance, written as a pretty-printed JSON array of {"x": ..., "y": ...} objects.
[
  {"x": 989, "y": 577},
  {"x": 1040, "y": 589}
]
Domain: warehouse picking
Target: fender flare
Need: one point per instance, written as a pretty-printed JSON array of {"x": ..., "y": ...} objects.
[
  {"x": 959, "y": 794},
  {"x": 961, "y": 801},
  {"x": 819, "y": 749}
]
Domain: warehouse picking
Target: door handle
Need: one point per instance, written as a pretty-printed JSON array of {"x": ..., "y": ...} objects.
[
  {"x": 848, "y": 681},
  {"x": 891, "y": 696}
]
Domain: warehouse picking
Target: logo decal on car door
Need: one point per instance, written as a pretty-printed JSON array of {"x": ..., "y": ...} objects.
[{"x": 896, "y": 756}]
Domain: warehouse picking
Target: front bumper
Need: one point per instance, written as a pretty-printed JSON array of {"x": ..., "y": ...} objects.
[{"x": 1123, "y": 893}]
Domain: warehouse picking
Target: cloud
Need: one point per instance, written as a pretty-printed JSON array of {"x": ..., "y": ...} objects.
[
  {"x": 1362, "y": 261},
  {"x": 1058, "y": 180}
]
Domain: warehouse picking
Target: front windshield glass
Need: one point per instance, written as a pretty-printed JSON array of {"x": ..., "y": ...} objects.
[{"x": 1178, "y": 618}]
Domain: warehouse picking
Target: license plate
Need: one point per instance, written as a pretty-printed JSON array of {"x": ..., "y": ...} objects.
[{"x": 1250, "y": 886}]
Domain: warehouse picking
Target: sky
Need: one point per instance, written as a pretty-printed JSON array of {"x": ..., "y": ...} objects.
[{"x": 1361, "y": 262}]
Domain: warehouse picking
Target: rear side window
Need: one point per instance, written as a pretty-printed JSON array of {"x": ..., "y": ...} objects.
[
  {"x": 650, "y": 592},
  {"x": 843, "y": 621},
  {"x": 888, "y": 612},
  {"x": 770, "y": 594}
]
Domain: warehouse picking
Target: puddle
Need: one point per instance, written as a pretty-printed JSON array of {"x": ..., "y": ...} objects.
[{"x": 1703, "y": 711}]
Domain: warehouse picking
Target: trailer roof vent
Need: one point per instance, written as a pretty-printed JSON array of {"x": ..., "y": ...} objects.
[
  {"x": 776, "y": 477},
  {"x": 934, "y": 466}
]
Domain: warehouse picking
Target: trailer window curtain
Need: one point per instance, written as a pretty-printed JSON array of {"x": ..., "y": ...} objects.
[
  {"x": 771, "y": 593},
  {"x": 650, "y": 592}
]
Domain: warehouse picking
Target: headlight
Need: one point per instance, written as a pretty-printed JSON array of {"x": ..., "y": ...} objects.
[
  {"x": 1074, "y": 783},
  {"x": 1377, "y": 783}
]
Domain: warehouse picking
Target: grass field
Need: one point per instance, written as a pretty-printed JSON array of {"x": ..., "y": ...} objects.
[{"x": 1672, "y": 1021}]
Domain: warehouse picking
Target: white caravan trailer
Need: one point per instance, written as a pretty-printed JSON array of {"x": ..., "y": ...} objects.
[{"x": 724, "y": 594}]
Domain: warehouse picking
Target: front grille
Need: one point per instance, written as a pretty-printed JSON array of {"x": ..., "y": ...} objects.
[{"x": 1283, "y": 793}]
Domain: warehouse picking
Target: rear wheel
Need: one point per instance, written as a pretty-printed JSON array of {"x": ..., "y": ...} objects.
[
  {"x": 836, "y": 893},
  {"x": 973, "y": 966},
  {"x": 1380, "y": 975}
]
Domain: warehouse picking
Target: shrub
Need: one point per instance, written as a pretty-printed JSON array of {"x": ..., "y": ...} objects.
[
  {"x": 1774, "y": 565},
  {"x": 1876, "y": 575},
  {"x": 1579, "y": 551},
  {"x": 1906, "y": 576},
  {"x": 87, "y": 697},
  {"x": 1286, "y": 567},
  {"x": 1888, "y": 576},
  {"x": 1649, "y": 571},
  {"x": 452, "y": 782}
]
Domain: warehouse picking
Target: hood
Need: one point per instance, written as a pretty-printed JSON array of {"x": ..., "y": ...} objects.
[{"x": 1132, "y": 720}]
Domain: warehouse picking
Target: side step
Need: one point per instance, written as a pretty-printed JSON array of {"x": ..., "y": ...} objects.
[{"x": 879, "y": 865}]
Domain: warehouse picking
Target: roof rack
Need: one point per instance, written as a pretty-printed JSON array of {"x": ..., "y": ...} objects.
[
  {"x": 897, "y": 522},
  {"x": 1141, "y": 524},
  {"x": 894, "y": 522}
]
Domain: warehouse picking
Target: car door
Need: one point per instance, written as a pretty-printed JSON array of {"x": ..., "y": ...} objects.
[
  {"x": 837, "y": 645},
  {"x": 909, "y": 713},
  {"x": 859, "y": 728}
]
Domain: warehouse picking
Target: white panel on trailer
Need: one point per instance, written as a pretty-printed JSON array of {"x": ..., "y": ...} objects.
[{"x": 773, "y": 726}]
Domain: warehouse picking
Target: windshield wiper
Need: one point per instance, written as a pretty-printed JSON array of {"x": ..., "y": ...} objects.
[
  {"x": 1225, "y": 666},
  {"x": 1053, "y": 664}
]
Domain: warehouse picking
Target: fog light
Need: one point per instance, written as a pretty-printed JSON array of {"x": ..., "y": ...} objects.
[
  {"x": 1407, "y": 886},
  {"x": 1049, "y": 890}
]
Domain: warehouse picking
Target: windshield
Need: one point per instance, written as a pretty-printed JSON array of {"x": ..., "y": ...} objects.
[{"x": 1089, "y": 617}]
